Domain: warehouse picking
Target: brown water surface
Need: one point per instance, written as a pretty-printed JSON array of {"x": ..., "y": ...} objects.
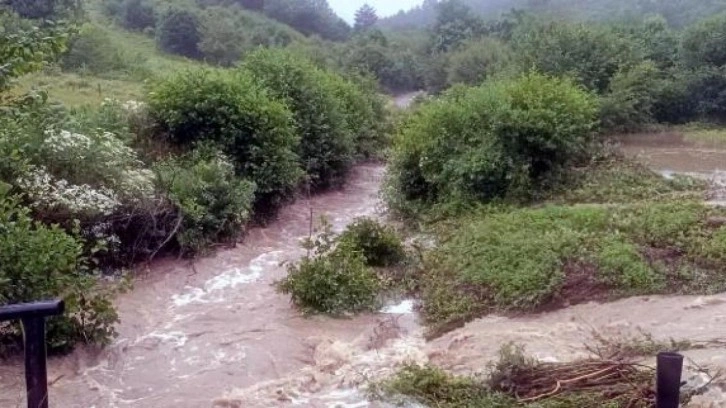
[
  {"x": 190, "y": 333},
  {"x": 671, "y": 153}
]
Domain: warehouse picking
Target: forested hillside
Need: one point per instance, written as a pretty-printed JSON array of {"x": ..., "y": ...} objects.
[{"x": 677, "y": 12}]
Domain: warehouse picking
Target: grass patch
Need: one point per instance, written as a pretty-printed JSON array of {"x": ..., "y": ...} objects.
[
  {"x": 74, "y": 90},
  {"x": 618, "y": 180},
  {"x": 704, "y": 134},
  {"x": 140, "y": 60},
  {"x": 533, "y": 259}
]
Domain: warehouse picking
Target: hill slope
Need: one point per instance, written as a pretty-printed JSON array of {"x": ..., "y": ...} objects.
[{"x": 677, "y": 12}]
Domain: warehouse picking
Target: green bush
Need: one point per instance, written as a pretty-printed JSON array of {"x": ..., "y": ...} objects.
[
  {"x": 333, "y": 279},
  {"x": 178, "y": 32},
  {"x": 500, "y": 140},
  {"x": 326, "y": 142},
  {"x": 379, "y": 245},
  {"x": 39, "y": 263},
  {"x": 91, "y": 50},
  {"x": 213, "y": 203},
  {"x": 365, "y": 113},
  {"x": 478, "y": 60},
  {"x": 222, "y": 43},
  {"x": 629, "y": 105},
  {"x": 231, "y": 110}
]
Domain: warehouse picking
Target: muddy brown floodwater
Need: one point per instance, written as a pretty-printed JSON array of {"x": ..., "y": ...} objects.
[
  {"x": 191, "y": 334},
  {"x": 670, "y": 153}
]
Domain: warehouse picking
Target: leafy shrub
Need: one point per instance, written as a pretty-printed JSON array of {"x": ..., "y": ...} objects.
[
  {"x": 38, "y": 263},
  {"x": 379, "y": 245},
  {"x": 222, "y": 42},
  {"x": 630, "y": 103},
  {"x": 234, "y": 112},
  {"x": 91, "y": 50},
  {"x": 326, "y": 143},
  {"x": 68, "y": 174},
  {"x": 365, "y": 113},
  {"x": 334, "y": 279},
  {"x": 178, "y": 32},
  {"x": 478, "y": 60},
  {"x": 42, "y": 9},
  {"x": 214, "y": 205},
  {"x": 500, "y": 140}
]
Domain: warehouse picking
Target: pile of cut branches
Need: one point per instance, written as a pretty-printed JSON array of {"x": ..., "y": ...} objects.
[{"x": 615, "y": 382}]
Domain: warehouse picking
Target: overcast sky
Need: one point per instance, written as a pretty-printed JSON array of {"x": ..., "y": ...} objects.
[{"x": 347, "y": 8}]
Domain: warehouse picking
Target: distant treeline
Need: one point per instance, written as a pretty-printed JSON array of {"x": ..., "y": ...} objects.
[{"x": 677, "y": 12}]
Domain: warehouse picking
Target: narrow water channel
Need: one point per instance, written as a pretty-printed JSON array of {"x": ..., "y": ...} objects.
[{"x": 192, "y": 333}]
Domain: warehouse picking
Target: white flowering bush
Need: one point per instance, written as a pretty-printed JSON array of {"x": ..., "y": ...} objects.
[{"x": 50, "y": 195}]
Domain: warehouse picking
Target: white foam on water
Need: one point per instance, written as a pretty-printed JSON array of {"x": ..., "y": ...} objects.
[
  {"x": 228, "y": 280},
  {"x": 405, "y": 307},
  {"x": 176, "y": 338}
]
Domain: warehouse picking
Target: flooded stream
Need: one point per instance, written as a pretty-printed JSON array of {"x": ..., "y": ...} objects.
[
  {"x": 191, "y": 333},
  {"x": 216, "y": 334}
]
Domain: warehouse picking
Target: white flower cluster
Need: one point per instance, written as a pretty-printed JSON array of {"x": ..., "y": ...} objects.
[
  {"x": 50, "y": 194},
  {"x": 137, "y": 184},
  {"x": 133, "y": 107},
  {"x": 61, "y": 142},
  {"x": 103, "y": 154}
]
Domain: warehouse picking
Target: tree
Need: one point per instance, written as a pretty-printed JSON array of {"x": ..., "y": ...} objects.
[
  {"x": 477, "y": 60},
  {"x": 455, "y": 24},
  {"x": 309, "y": 17},
  {"x": 178, "y": 33},
  {"x": 24, "y": 48},
  {"x": 704, "y": 44},
  {"x": 256, "y": 5},
  {"x": 137, "y": 15},
  {"x": 365, "y": 18},
  {"x": 45, "y": 9}
]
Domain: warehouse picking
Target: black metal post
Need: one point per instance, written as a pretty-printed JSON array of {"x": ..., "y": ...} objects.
[
  {"x": 32, "y": 316},
  {"x": 668, "y": 380},
  {"x": 36, "y": 375}
]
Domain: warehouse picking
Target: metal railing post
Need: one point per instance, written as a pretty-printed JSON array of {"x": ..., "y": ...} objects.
[
  {"x": 669, "y": 370},
  {"x": 32, "y": 316}
]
